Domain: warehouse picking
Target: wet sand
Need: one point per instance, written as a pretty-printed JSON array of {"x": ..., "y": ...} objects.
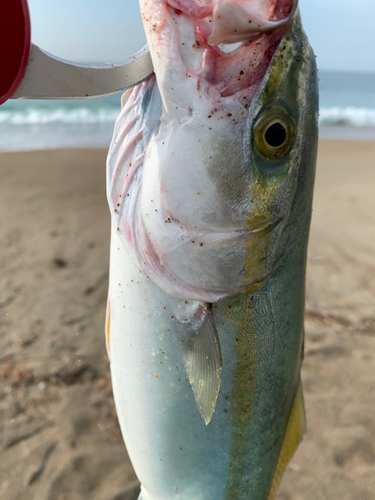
[{"x": 59, "y": 436}]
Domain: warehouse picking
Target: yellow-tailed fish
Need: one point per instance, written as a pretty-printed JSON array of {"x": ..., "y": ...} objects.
[{"x": 210, "y": 183}]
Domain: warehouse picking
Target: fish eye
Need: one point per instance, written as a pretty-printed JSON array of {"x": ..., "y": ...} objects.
[{"x": 273, "y": 134}]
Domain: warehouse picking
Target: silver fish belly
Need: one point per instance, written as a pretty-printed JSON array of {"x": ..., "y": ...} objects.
[{"x": 210, "y": 180}]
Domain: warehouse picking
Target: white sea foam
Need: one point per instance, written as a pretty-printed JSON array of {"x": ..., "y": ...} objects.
[
  {"x": 329, "y": 116},
  {"x": 46, "y": 116},
  {"x": 348, "y": 116}
]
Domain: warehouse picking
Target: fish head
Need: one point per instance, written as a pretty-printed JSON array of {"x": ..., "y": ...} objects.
[{"x": 235, "y": 93}]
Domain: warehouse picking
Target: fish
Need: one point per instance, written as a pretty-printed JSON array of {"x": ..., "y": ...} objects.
[{"x": 210, "y": 177}]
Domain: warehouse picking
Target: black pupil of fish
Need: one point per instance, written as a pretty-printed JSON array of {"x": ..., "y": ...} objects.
[{"x": 275, "y": 135}]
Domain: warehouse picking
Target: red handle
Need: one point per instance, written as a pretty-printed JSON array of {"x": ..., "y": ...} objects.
[{"x": 15, "y": 40}]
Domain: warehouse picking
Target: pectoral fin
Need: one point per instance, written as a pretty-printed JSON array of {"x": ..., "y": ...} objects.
[{"x": 202, "y": 359}]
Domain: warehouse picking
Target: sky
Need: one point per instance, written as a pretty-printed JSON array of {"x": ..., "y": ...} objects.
[{"x": 340, "y": 31}]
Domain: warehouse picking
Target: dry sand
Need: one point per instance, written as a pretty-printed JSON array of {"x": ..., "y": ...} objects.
[{"x": 59, "y": 436}]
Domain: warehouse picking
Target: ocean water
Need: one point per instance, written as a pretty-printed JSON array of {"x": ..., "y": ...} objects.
[
  {"x": 347, "y": 111},
  {"x": 347, "y": 105}
]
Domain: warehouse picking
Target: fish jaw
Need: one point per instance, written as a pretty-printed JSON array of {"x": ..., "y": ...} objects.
[
  {"x": 185, "y": 39},
  {"x": 197, "y": 234},
  {"x": 196, "y": 199}
]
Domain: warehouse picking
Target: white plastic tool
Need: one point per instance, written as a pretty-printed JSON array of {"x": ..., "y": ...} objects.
[
  {"x": 48, "y": 77},
  {"x": 31, "y": 73}
]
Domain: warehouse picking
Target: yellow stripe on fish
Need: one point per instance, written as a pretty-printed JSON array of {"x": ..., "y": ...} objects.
[{"x": 245, "y": 385}]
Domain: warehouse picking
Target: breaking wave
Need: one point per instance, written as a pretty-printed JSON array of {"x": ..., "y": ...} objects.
[
  {"x": 85, "y": 115},
  {"x": 63, "y": 115},
  {"x": 347, "y": 117}
]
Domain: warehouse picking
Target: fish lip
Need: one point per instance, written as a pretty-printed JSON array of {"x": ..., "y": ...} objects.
[
  {"x": 259, "y": 231},
  {"x": 218, "y": 235},
  {"x": 262, "y": 230}
]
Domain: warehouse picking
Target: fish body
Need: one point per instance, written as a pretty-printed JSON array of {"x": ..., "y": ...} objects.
[{"x": 210, "y": 181}]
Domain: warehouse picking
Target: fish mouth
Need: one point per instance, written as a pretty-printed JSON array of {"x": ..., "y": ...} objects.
[
  {"x": 226, "y": 250},
  {"x": 260, "y": 231},
  {"x": 203, "y": 27},
  {"x": 227, "y": 247},
  {"x": 234, "y": 21},
  {"x": 190, "y": 235}
]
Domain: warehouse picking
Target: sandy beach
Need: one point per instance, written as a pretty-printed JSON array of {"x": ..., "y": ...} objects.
[{"x": 59, "y": 436}]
